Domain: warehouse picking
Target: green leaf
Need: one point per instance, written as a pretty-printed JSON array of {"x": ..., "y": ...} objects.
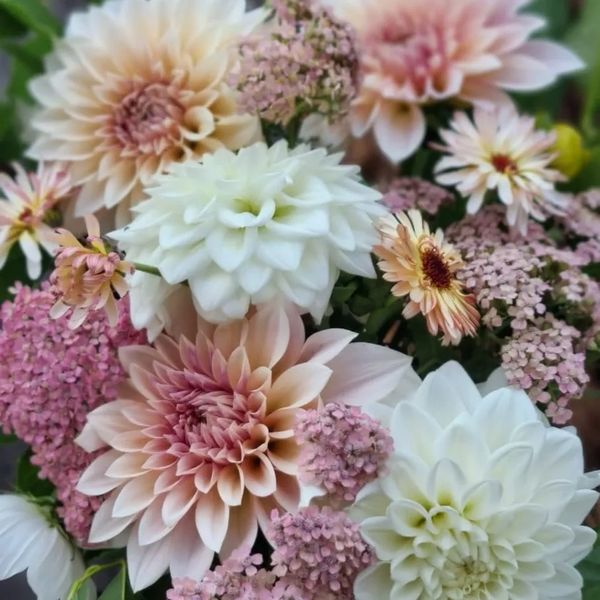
[
  {"x": 7, "y": 438},
  {"x": 556, "y": 14},
  {"x": 33, "y": 14},
  {"x": 28, "y": 479},
  {"x": 118, "y": 588},
  {"x": 78, "y": 589},
  {"x": 589, "y": 568}
]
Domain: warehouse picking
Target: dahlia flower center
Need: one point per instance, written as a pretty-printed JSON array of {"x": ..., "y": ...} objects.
[
  {"x": 417, "y": 54},
  {"x": 504, "y": 164},
  {"x": 148, "y": 118},
  {"x": 435, "y": 268},
  {"x": 213, "y": 421}
]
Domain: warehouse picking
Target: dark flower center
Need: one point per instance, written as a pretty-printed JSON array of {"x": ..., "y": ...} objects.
[
  {"x": 503, "y": 163},
  {"x": 436, "y": 268}
]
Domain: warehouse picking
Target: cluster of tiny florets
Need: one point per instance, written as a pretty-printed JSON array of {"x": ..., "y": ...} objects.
[
  {"x": 404, "y": 193},
  {"x": 240, "y": 577},
  {"x": 320, "y": 550},
  {"x": 51, "y": 377},
  {"x": 306, "y": 62},
  {"x": 343, "y": 449},
  {"x": 542, "y": 361}
]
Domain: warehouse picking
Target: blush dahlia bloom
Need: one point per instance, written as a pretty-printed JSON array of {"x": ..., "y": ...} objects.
[
  {"x": 201, "y": 444},
  {"x": 502, "y": 151},
  {"x": 414, "y": 53},
  {"x": 90, "y": 277},
  {"x": 482, "y": 500},
  {"x": 135, "y": 85},
  {"x": 26, "y": 203},
  {"x": 423, "y": 267},
  {"x": 245, "y": 228}
]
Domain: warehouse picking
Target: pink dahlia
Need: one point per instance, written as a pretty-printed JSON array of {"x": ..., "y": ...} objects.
[
  {"x": 415, "y": 53},
  {"x": 200, "y": 443}
]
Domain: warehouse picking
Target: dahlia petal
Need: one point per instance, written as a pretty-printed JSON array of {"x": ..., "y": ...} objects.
[
  {"x": 447, "y": 480},
  {"x": 365, "y": 371},
  {"x": 178, "y": 501},
  {"x": 284, "y": 453},
  {"x": 135, "y": 495},
  {"x": 288, "y": 492},
  {"x": 579, "y": 507},
  {"x": 242, "y": 529},
  {"x": 212, "y": 520},
  {"x": 399, "y": 130},
  {"x": 259, "y": 475},
  {"x": 374, "y": 582},
  {"x": 523, "y": 72},
  {"x": 127, "y": 465},
  {"x": 152, "y": 528},
  {"x": 298, "y": 386},
  {"x": 104, "y": 525},
  {"x": 146, "y": 564},
  {"x": 229, "y": 336},
  {"x": 89, "y": 440},
  {"x": 559, "y": 58},
  {"x": 94, "y": 480},
  {"x": 268, "y": 336},
  {"x": 230, "y": 484},
  {"x": 189, "y": 556}
]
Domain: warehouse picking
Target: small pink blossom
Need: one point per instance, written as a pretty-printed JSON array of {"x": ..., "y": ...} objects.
[
  {"x": 343, "y": 449},
  {"x": 320, "y": 550}
]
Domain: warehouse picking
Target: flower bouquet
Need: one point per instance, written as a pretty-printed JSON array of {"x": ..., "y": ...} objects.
[{"x": 301, "y": 300}]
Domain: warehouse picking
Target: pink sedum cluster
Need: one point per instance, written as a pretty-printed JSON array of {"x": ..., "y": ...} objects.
[
  {"x": 306, "y": 62},
  {"x": 238, "y": 578},
  {"x": 404, "y": 193},
  {"x": 343, "y": 449},
  {"x": 50, "y": 378},
  {"x": 541, "y": 360},
  {"x": 320, "y": 550}
]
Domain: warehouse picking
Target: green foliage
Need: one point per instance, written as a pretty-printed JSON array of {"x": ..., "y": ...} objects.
[
  {"x": 28, "y": 478},
  {"x": 590, "y": 571}
]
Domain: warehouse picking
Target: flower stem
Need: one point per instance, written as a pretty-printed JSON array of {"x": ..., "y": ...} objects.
[{"x": 147, "y": 269}]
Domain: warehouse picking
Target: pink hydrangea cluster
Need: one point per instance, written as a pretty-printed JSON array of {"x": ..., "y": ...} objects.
[
  {"x": 578, "y": 287},
  {"x": 306, "y": 62},
  {"x": 404, "y": 193},
  {"x": 320, "y": 550},
  {"x": 50, "y": 379},
  {"x": 238, "y": 578},
  {"x": 343, "y": 449},
  {"x": 542, "y": 360}
]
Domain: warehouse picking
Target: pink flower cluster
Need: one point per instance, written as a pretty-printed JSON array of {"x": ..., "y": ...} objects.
[
  {"x": 501, "y": 270},
  {"x": 542, "y": 360},
  {"x": 319, "y": 550},
  {"x": 305, "y": 63},
  {"x": 343, "y": 449},
  {"x": 50, "y": 378},
  {"x": 238, "y": 578},
  {"x": 404, "y": 193}
]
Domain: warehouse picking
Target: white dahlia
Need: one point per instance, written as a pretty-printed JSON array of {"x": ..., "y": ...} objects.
[
  {"x": 482, "y": 500},
  {"x": 135, "y": 85},
  {"x": 245, "y": 228}
]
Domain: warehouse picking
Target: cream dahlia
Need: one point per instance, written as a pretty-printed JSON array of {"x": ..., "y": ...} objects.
[
  {"x": 27, "y": 205},
  {"x": 135, "y": 85},
  {"x": 423, "y": 267},
  {"x": 245, "y": 228},
  {"x": 502, "y": 151},
  {"x": 415, "y": 53},
  {"x": 482, "y": 500},
  {"x": 200, "y": 446}
]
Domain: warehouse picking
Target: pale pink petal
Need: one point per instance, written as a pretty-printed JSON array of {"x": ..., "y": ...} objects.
[
  {"x": 558, "y": 58},
  {"x": 105, "y": 526},
  {"x": 365, "y": 373},
  {"x": 135, "y": 495},
  {"x": 268, "y": 336},
  {"x": 178, "y": 501},
  {"x": 152, "y": 527},
  {"x": 323, "y": 346},
  {"x": 231, "y": 485},
  {"x": 146, "y": 564},
  {"x": 298, "y": 386},
  {"x": 212, "y": 520},
  {"x": 243, "y": 527},
  {"x": 259, "y": 475},
  {"x": 94, "y": 480},
  {"x": 399, "y": 130}
]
